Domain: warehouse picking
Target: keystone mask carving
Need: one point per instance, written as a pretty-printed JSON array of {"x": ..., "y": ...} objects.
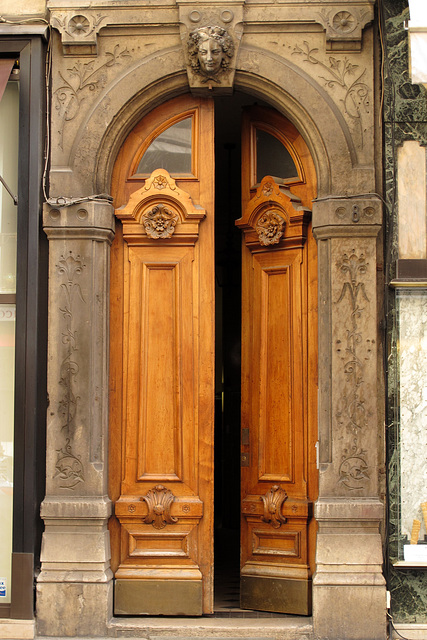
[{"x": 210, "y": 50}]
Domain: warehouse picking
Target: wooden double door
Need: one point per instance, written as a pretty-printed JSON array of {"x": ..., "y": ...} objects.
[{"x": 206, "y": 444}]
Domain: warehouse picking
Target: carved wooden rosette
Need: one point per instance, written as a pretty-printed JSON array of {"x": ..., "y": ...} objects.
[
  {"x": 160, "y": 211},
  {"x": 160, "y": 222},
  {"x": 270, "y": 227},
  {"x": 158, "y": 519},
  {"x": 274, "y": 216}
]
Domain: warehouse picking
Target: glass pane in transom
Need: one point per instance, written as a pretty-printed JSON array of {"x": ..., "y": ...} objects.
[
  {"x": 171, "y": 150},
  {"x": 273, "y": 159}
]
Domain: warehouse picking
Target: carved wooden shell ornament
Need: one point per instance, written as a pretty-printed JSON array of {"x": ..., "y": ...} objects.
[
  {"x": 273, "y": 500},
  {"x": 159, "y": 500}
]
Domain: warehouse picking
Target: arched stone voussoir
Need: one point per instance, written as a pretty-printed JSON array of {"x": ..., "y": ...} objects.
[
  {"x": 305, "y": 102},
  {"x": 133, "y": 93},
  {"x": 266, "y": 75}
]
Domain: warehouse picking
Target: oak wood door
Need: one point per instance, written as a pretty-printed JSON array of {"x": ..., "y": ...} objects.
[
  {"x": 161, "y": 365},
  {"x": 161, "y": 361},
  {"x": 279, "y": 383}
]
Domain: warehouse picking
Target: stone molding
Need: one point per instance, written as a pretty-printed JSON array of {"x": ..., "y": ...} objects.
[
  {"x": 349, "y": 563},
  {"x": 98, "y": 508},
  {"x": 349, "y": 213},
  {"x": 343, "y": 22}
]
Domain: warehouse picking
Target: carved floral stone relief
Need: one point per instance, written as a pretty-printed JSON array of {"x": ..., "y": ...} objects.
[
  {"x": 346, "y": 82},
  {"x": 344, "y": 26},
  {"x": 354, "y": 351},
  {"x": 69, "y": 469},
  {"x": 78, "y": 25},
  {"x": 79, "y": 81}
]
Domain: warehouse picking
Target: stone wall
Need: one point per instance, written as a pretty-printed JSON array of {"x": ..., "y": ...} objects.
[
  {"x": 405, "y": 118},
  {"x": 111, "y": 64}
]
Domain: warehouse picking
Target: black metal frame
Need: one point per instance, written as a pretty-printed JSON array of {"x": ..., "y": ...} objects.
[{"x": 29, "y": 45}]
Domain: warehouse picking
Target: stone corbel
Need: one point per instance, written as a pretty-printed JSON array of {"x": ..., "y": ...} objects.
[
  {"x": 344, "y": 25},
  {"x": 79, "y": 31},
  {"x": 225, "y": 23}
]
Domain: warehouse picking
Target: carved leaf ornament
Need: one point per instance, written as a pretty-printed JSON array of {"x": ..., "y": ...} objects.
[
  {"x": 273, "y": 500},
  {"x": 159, "y": 500}
]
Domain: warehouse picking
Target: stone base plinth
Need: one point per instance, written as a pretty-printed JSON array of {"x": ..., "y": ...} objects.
[
  {"x": 75, "y": 587},
  {"x": 345, "y": 612},
  {"x": 74, "y": 609},
  {"x": 349, "y": 591}
]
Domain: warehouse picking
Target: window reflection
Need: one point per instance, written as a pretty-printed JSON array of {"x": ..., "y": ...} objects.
[
  {"x": 273, "y": 159},
  {"x": 171, "y": 150}
]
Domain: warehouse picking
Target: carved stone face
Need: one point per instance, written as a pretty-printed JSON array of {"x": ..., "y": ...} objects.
[{"x": 210, "y": 55}]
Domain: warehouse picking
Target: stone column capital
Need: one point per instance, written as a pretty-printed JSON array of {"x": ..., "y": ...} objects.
[
  {"x": 341, "y": 216},
  {"x": 91, "y": 219}
]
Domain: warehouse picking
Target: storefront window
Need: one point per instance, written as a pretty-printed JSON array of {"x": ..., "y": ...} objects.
[{"x": 8, "y": 222}]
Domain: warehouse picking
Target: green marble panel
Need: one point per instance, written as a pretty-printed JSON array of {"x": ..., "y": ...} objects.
[{"x": 405, "y": 118}]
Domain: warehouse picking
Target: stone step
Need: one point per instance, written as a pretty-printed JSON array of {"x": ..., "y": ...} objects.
[{"x": 281, "y": 628}]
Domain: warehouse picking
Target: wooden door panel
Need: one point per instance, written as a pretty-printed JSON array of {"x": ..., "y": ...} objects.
[
  {"x": 162, "y": 384},
  {"x": 276, "y": 312},
  {"x": 161, "y": 360},
  {"x": 278, "y": 395}
]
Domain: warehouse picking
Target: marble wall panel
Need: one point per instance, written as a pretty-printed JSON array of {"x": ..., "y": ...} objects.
[
  {"x": 412, "y": 322},
  {"x": 405, "y": 118}
]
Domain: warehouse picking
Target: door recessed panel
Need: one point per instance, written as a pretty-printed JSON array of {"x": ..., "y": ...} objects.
[
  {"x": 160, "y": 339},
  {"x": 275, "y": 463}
]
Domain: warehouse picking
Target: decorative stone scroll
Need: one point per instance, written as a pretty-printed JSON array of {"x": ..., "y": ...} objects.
[{"x": 159, "y": 500}]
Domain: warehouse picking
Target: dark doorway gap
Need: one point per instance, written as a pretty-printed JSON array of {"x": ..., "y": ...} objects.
[{"x": 228, "y": 112}]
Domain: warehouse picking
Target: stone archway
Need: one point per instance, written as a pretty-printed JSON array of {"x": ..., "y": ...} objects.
[{"x": 346, "y": 221}]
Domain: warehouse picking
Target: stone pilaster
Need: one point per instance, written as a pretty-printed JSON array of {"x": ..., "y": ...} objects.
[
  {"x": 74, "y": 593},
  {"x": 349, "y": 594}
]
